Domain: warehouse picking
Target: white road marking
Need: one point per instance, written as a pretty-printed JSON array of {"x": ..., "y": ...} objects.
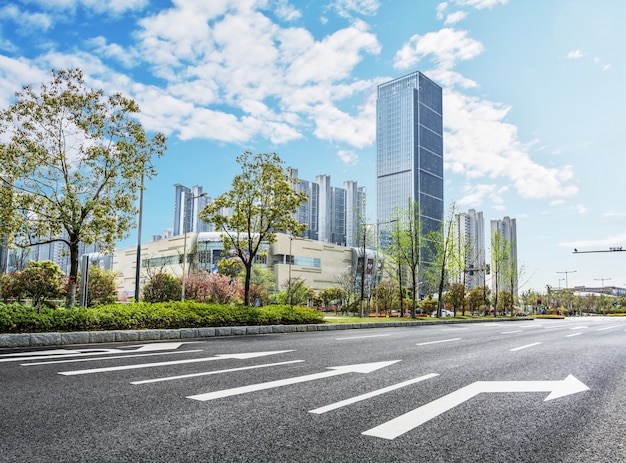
[
  {"x": 109, "y": 358},
  {"x": 437, "y": 342},
  {"x": 207, "y": 373},
  {"x": 511, "y": 332},
  {"x": 363, "y": 337},
  {"x": 67, "y": 353},
  {"x": 405, "y": 423},
  {"x": 334, "y": 371},
  {"x": 369, "y": 395},
  {"x": 525, "y": 347},
  {"x": 609, "y": 327},
  {"x": 173, "y": 362},
  {"x": 573, "y": 334}
]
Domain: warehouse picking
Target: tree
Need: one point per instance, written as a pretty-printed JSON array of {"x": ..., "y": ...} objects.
[
  {"x": 456, "y": 297},
  {"x": 72, "y": 167},
  {"x": 261, "y": 203},
  {"x": 477, "y": 297},
  {"x": 331, "y": 295},
  {"x": 405, "y": 245},
  {"x": 500, "y": 258},
  {"x": 41, "y": 280},
  {"x": 295, "y": 292},
  {"x": 442, "y": 249},
  {"x": 162, "y": 287},
  {"x": 101, "y": 286},
  {"x": 386, "y": 292}
]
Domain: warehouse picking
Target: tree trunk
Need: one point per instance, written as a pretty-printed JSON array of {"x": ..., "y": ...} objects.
[
  {"x": 246, "y": 285},
  {"x": 70, "y": 299}
]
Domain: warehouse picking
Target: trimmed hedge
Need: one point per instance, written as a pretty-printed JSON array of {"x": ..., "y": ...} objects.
[{"x": 19, "y": 318}]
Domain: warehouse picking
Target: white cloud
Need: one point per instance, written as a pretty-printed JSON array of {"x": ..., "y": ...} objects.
[
  {"x": 480, "y": 4},
  {"x": 479, "y": 143},
  {"x": 25, "y": 20},
  {"x": 348, "y": 158},
  {"x": 114, "y": 7},
  {"x": 245, "y": 61},
  {"x": 575, "y": 54},
  {"x": 447, "y": 46},
  {"x": 347, "y": 8},
  {"x": 455, "y": 17}
]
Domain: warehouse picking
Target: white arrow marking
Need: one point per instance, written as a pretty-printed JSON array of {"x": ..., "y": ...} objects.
[
  {"x": 408, "y": 421},
  {"x": 206, "y": 373},
  {"x": 173, "y": 362},
  {"x": 67, "y": 353},
  {"x": 334, "y": 371},
  {"x": 48, "y": 362},
  {"x": 369, "y": 395}
]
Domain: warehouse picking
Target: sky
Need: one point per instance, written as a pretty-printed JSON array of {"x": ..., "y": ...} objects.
[{"x": 533, "y": 101}]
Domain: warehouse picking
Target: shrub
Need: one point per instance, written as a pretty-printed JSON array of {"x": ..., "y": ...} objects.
[
  {"x": 20, "y": 318},
  {"x": 162, "y": 287}
]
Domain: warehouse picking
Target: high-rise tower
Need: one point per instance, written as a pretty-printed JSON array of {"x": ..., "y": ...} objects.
[{"x": 409, "y": 140}]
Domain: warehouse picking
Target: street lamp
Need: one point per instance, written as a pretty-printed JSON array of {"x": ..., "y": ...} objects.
[
  {"x": 182, "y": 293},
  {"x": 602, "y": 290}
]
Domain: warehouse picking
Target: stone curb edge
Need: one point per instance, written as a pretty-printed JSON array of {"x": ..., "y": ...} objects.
[{"x": 11, "y": 340}]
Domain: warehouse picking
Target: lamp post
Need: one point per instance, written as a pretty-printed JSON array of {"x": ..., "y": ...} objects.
[
  {"x": 138, "y": 262},
  {"x": 569, "y": 302},
  {"x": 182, "y": 292}
]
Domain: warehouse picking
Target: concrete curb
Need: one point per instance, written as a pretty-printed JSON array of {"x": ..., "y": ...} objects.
[{"x": 92, "y": 337}]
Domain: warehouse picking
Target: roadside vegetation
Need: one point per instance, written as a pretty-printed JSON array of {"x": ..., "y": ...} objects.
[{"x": 23, "y": 318}]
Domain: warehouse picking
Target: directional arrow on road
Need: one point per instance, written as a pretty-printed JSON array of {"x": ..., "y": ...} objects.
[
  {"x": 334, "y": 371},
  {"x": 173, "y": 362},
  {"x": 404, "y": 423}
]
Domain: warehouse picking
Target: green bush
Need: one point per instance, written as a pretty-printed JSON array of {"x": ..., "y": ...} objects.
[{"x": 20, "y": 318}]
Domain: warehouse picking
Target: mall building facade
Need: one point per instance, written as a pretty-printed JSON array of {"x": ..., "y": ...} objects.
[{"x": 319, "y": 265}]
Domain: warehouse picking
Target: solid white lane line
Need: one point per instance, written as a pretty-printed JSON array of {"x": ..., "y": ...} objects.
[
  {"x": 363, "y": 337},
  {"x": 369, "y": 395},
  {"x": 174, "y": 362},
  {"x": 437, "y": 342},
  {"x": 525, "y": 347},
  {"x": 609, "y": 327},
  {"x": 108, "y": 358},
  {"x": 206, "y": 373}
]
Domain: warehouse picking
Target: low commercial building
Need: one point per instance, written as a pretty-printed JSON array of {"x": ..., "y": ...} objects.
[{"x": 316, "y": 263}]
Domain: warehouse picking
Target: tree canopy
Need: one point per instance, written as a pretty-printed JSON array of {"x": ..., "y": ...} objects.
[
  {"x": 261, "y": 203},
  {"x": 71, "y": 166}
]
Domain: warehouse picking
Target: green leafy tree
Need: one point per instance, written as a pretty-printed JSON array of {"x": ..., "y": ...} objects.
[
  {"x": 456, "y": 297},
  {"x": 40, "y": 281},
  {"x": 162, "y": 287},
  {"x": 101, "y": 286},
  {"x": 72, "y": 167},
  {"x": 295, "y": 292},
  {"x": 406, "y": 245},
  {"x": 261, "y": 203},
  {"x": 500, "y": 264},
  {"x": 441, "y": 248},
  {"x": 478, "y": 297},
  {"x": 10, "y": 287}
]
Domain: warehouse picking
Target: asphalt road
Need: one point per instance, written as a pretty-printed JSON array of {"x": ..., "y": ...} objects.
[{"x": 525, "y": 391}]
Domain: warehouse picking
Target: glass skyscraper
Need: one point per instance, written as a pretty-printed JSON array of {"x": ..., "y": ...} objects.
[{"x": 409, "y": 140}]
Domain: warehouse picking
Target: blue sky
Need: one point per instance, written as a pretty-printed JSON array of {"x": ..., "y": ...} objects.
[{"x": 534, "y": 107}]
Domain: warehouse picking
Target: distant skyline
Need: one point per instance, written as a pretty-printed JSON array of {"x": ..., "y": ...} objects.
[{"x": 533, "y": 109}]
